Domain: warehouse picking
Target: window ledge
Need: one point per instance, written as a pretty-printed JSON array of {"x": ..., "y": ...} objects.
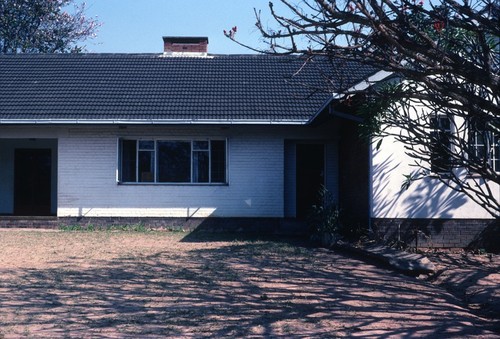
[{"x": 170, "y": 184}]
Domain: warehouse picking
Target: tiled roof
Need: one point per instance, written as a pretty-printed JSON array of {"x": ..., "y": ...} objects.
[{"x": 142, "y": 87}]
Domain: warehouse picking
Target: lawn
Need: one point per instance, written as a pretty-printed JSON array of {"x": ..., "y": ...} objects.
[{"x": 157, "y": 284}]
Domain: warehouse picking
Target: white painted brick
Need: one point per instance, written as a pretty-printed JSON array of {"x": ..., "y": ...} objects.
[{"x": 87, "y": 165}]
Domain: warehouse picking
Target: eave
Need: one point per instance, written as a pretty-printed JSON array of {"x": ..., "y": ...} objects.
[
  {"x": 357, "y": 88},
  {"x": 150, "y": 122}
]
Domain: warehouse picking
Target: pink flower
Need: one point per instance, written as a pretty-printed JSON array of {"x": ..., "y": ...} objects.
[{"x": 439, "y": 26}]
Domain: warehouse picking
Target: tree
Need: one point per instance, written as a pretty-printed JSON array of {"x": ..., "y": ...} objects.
[
  {"x": 445, "y": 110},
  {"x": 43, "y": 26}
]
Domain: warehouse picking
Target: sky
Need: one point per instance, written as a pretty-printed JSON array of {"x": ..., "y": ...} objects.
[{"x": 137, "y": 26}]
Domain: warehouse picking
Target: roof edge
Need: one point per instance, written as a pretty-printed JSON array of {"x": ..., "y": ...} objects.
[
  {"x": 360, "y": 86},
  {"x": 149, "y": 122}
]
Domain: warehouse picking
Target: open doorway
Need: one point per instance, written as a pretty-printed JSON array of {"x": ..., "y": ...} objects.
[
  {"x": 310, "y": 165},
  {"x": 354, "y": 183},
  {"x": 28, "y": 177},
  {"x": 32, "y": 181}
]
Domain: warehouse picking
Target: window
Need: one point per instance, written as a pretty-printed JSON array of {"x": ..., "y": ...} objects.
[
  {"x": 440, "y": 145},
  {"x": 173, "y": 161},
  {"x": 146, "y": 161},
  {"x": 486, "y": 147}
]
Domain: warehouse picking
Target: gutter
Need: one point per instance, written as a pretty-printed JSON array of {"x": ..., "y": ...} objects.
[{"x": 148, "y": 122}]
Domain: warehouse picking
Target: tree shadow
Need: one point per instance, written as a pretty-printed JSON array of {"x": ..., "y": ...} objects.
[
  {"x": 430, "y": 199},
  {"x": 382, "y": 173},
  {"x": 488, "y": 239},
  {"x": 472, "y": 278},
  {"x": 417, "y": 215},
  {"x": 203, "y": 234},
  {"x": 236, "y": 289}
]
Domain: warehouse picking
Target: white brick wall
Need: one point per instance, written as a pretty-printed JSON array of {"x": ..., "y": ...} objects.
[
  {"x": 290, "y": 196},
  {"x": 426, "y": 198},
  {"x": 88, "y": 162},
  {"x": 87, "y": 166}
]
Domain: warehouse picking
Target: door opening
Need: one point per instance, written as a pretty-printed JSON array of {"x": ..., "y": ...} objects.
[
  {"x": 310, "y": 165},
  {"x": 32, "y": 182}
]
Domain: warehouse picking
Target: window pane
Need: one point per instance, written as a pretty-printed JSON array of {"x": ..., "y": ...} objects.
[
  {"x": 218, "y": 153},
  {"x": 128, "y": 165},
  {"x": 485, "y": 146},
  {"x": 440, "y": 147},
  {"x": 174, "y": 161},
  {"x": 200, "y": 145},
  {"x": 444, "y": 124},
  {"x": 481, "y": 152},
  {"x": 480, "y": 138},
  {"x": 146, "y": 145},
  {"x": 496, "y": 154},
  {"x": 440, "y": 144},
  {"x": 200, "y": 166},
  {"x": 146, "y": 166}
]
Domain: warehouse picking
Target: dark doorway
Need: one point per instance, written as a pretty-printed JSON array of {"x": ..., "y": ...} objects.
[
  {"x": 310, "y": 176},
  {"x": 32, "y": 182},
  {"x": 354, "y": 167}
]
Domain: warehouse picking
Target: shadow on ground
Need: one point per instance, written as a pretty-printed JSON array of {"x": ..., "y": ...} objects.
[
  {"x": 230, "y": 288},
  {"x": 473, "y": 278}
]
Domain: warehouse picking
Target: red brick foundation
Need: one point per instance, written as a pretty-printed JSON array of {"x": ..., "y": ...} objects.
[{"x": 438, "y": 233}]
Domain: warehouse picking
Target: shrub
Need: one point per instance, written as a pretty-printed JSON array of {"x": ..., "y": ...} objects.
[{"x": 324, "y": 219}]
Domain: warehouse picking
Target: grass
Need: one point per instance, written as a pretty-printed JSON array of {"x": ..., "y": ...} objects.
[{"x": 93, "y": 228}]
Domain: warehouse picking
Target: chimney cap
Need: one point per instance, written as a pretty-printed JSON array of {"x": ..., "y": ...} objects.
[
  {"x": 185, "y": 39},
  {"x": 185, "y": 46}
]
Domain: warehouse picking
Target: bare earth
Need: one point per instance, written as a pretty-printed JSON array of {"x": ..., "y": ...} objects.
[{"x": 158, "y": 284}]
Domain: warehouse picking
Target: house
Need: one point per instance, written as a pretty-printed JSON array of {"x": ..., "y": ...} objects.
[{"x": 187, "y": 139}]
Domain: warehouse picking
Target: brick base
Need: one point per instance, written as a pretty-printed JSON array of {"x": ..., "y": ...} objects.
[
  {"x": 244, "y": 225},
  {"x": 29, "y": 222},
  {"x": 439, "y": 233}
]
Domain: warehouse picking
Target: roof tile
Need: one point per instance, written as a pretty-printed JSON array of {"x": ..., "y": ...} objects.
[{"x": 150, "y": 86}]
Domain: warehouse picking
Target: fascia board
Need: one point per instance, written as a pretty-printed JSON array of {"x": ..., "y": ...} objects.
[
  {"x": 360, "y": 86},
  {"x": 147, "y": 122}
]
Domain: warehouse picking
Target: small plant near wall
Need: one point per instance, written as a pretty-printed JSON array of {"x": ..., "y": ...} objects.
[{"x": 324, "y": 219}]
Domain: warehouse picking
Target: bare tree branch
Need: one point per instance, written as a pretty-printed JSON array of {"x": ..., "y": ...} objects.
[{"x": 447, "y": 52}]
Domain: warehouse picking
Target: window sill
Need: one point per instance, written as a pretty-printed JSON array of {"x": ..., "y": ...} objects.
[
  {"x": 170, "y": 184},
  {"x": 444, "y": 175}
]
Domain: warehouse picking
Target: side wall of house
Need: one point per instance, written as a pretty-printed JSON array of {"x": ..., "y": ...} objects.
[{"x": 428, "y": 213}]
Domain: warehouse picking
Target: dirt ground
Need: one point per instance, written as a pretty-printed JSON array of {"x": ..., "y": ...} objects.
[
  {"x": 159, "y": 284},
  {"x": 474, "y": 278}
]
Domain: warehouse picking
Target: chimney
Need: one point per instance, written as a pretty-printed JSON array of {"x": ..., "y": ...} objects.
[{"x": 185, "y": 46}]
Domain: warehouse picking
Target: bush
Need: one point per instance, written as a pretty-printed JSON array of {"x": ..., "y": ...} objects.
[{"x": 324, "y": 219}]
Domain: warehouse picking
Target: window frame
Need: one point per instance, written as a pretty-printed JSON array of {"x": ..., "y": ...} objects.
[
  {"x": 156, "y": 181},
  {"x": 491, "y": 142},
  {"x": 436, "y": 144},
  {"x": 138, "y": 148}
]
